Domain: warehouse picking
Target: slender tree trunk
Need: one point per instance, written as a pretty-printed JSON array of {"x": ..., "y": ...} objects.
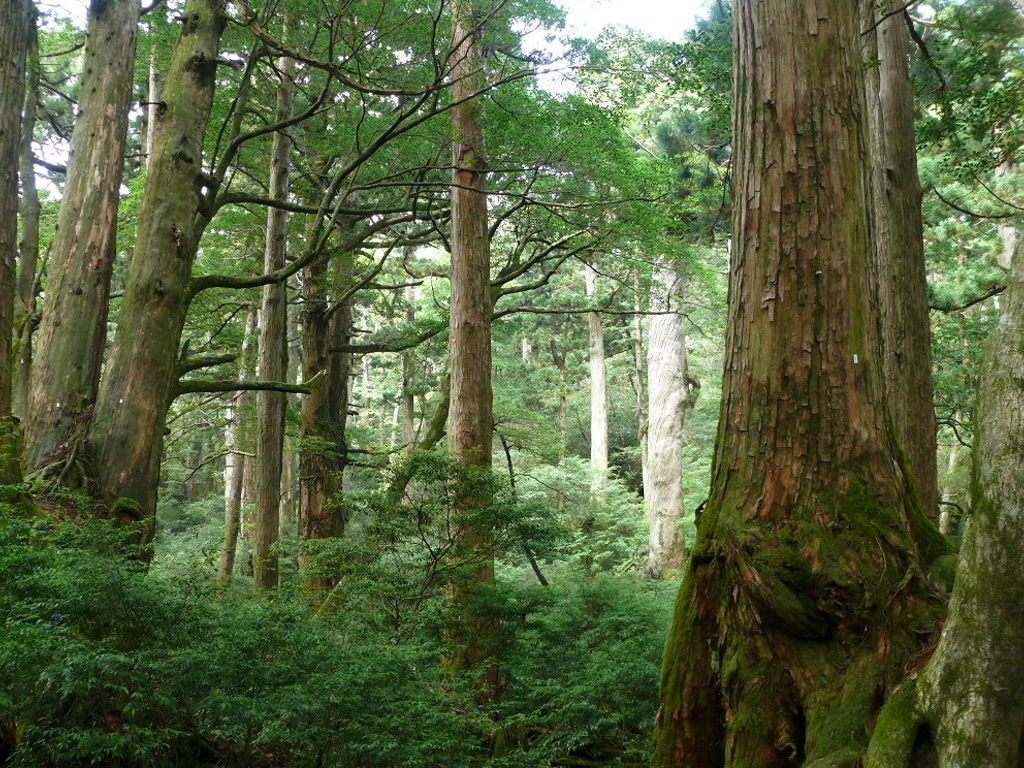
[
  {"x": 639, "y": 358},
  {"x": 14, "y": 35},
  {"x": 598, "y": 388},
  {"x": 669, "y": 403},
  {"x": 235, "y": 460},
  {"x": 563, "y": 400},
  {"x": 409, "y": 377},
  {"x": 899, "y": 243},
  {"x": 155, "y": 87},
  {"x": 470, "y": 432},
  {"x": 28, "y": 248},
  {"x": 126, "y": 436},
  {"x": 73, "y": 329},
  {"x": 967, "y": 707},
  {"x": 789, "y": 631},
  {"x": 270, "y": 406}
]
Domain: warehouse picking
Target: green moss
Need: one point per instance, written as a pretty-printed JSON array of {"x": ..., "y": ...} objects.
[{"x": 892, "y": 742}]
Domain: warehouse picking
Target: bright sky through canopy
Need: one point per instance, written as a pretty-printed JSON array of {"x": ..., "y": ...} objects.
[{"x": 666, "y": 19}]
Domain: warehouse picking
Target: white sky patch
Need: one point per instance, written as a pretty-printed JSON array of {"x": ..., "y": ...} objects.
[{"x": 664, "y": 19}]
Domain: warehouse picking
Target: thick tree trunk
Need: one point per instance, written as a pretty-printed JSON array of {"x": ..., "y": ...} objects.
[
  {"x": 14, "y": 35},
  {"x": 667, "y": 408},
  {"x": 126, "y": 436},
  {"x": 470, "y": 420},
  {"x": 28, "y": 248},
  {"x": 789, "y": 631},
  {"x": 598, "y": 387},
  {"x": 273, "y": 365},
  {"x": 73, "y": 329},
  {"x": 234, "y": 462},
  {"x": 967, "y": 707},
  {"x": 900, "y": 268},
  {"x": 325, "y": 331}
]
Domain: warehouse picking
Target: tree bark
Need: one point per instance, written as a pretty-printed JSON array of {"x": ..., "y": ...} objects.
[
  {"x": 788, "y": 630},
  {"x": 598, "y": 388},
  {"x": 967, "y": 707},
  {"x": 14, "y": 34},
  {"x": 639, "y": 360},
  {"x": 28, "y": 248},
  {"x": 409, "y": 377},
  {"x": 899, "y": 245},
  {"x": 667, "y": 408},
  {"x": 473, "y": 634},
  {"x": 234, "y": 462},
  {"x": 73, "y": 329},
  {"x": 273, "y": 365},
  {"x": 126, "y": 435},
  {"x": 324, "y": 452}
]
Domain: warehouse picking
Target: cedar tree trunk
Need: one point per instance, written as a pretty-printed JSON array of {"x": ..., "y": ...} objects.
[
  {"x": 126, "y": 435},
  {"x": 598, "y": 388},
  {"x": 273, "y": 364},
  {"x": 805, "y": 602},
  {"x": 73, "y": 328},
  {"x": 473, "y": 634}
]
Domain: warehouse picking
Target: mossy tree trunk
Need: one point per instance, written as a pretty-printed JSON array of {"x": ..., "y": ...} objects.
[
  {"x": 273, "y": 349},
  {"x": 966, "y": 708},
  {"x": 805, "y": 602},
  {"x": 899, "y": 245},
  {"x": 326, "y": 329},
  {"x": 473, "y": 633},
  {"x": 126, "y": 435},
  {"x": 73, "y": 329},
  {"x": 28, "y": 247},
  {"x": 14, "y": 35}
]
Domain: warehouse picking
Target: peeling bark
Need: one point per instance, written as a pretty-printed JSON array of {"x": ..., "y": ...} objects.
[
  {"x": 474, "y": 636},
  {"x": 789, "y": 631},
  {"x": 899, "y": 245}
]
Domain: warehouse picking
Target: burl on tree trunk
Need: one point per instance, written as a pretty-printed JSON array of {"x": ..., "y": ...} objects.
[{"x": 805, "y": 602}]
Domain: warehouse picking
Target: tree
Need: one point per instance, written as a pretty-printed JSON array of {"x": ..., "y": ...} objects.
[
  {"x": 470, "y": 422},
  {"x": 73, "y": 331},
  {"x": 598, "y": 386},
  {"x": 788, "y": 631},
  {"x": 13, "y": 45},
  {"x": 899, "y": 245},
  {"x": 273, "y": 354},
  {"x": 669, "y": 401}
]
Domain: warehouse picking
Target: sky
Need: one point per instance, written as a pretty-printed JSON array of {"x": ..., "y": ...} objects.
[{"x": 666, "y": 19}]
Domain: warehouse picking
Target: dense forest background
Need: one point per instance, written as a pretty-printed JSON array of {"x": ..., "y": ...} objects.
[{"x": 289, "y": 483}]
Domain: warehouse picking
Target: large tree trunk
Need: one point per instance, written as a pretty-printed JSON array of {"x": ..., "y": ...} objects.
[
  {"x": 28, "y": 248},
  {"x": 234, "y": 462},
  {"x": 598, "y": 387},
  {"x": 14, "y": 34},
  {"x": 470, "y": 432},
  {"x": 126, "y": 436},
  {"x": 897, "y": 225},
  {"x": 789, "y": 631},
  {"x": 73, "y": 329},
  {"x": 325, "y": 331},
  {"x": 273, "y": 365},
  {"x": 669, "y": 402}
]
